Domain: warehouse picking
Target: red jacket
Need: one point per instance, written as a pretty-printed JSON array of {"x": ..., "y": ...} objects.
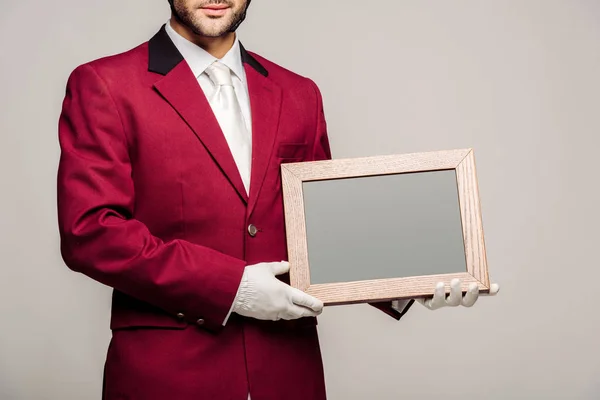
[{"x": 151, "y": 204}]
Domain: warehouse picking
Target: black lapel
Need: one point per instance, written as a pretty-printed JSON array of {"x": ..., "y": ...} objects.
[
  {"x": 251, "y": 61},
  {"x": 163, "y": 56}
]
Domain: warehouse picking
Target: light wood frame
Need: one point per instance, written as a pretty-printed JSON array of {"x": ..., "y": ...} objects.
[{"x": 462, "y": 161}]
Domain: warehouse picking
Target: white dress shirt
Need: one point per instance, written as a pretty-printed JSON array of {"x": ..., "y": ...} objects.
[{"x": 198, "y": 60}]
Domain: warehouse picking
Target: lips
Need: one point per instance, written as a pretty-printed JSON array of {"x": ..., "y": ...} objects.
[
  {"x": 215, "y": 10},
  {"x": 216, "y": 7}
]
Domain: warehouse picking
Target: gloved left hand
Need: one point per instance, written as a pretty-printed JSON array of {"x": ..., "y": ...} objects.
[{"x": 454, "y": 299}]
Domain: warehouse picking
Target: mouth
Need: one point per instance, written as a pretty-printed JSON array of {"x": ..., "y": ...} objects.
[{"x": 215, "y": 10}]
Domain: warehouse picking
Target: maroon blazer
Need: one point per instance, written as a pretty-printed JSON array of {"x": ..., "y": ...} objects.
[{"x": 151, "y": 204}]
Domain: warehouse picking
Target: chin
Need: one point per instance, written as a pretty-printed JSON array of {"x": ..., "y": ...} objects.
[{"x": 211, "y": 31}]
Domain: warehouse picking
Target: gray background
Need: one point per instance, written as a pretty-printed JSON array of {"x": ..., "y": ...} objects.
[
  {"x": 517, "y": 80},
  {"x": 387, "y": 226}
]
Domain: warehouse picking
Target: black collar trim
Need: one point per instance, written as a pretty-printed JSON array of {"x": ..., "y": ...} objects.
[{"x": 163, "y": 55}]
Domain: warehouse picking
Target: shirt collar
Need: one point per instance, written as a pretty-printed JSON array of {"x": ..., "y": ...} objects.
[{"x": 199, "y": 59}]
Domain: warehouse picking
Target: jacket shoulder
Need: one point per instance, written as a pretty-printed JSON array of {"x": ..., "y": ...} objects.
[{"x": 117, "y": 65}]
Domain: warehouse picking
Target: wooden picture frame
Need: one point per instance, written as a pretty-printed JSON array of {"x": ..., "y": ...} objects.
[{"x": 461, "y": 161}]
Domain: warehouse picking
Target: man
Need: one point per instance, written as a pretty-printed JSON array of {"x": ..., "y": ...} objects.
[{"x": 169, "y": 192}]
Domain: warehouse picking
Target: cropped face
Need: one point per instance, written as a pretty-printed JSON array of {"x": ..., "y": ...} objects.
[{"x": 212, "y": 18}]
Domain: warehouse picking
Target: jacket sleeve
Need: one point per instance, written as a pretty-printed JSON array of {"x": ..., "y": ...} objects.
[
  {"x": 99, "y": 235},
  {"x": 322, "y": 151}
]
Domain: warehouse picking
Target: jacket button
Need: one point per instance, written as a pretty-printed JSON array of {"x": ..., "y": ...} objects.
[
  {"x": 200, "y": 322},
  {"x": 252, "y": 230}
]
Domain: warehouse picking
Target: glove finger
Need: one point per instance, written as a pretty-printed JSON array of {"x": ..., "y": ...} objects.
[
  {"x": 471, "y": 296},
  {"x": 279, "y": 268},
  {"x": 439, "y": 296},
  {"x": 296, "y": 312},
  {"x": 494, "y": 289},
  {"x": 455, "y": 297},
  {"x": 302, "y": 299}
]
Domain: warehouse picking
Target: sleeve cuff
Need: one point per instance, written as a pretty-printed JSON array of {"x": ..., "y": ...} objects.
[
  {"x": 395, "y": 309},
  {"x": 233, "y": 303}
]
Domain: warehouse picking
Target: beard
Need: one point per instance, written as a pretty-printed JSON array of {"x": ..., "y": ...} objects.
[{"x": 207, "y": 26}]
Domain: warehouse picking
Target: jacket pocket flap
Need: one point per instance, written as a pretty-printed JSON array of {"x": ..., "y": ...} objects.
[{"x": 292, "y": 150}]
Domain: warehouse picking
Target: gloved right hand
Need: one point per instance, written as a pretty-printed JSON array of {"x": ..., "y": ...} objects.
[{"x": 262, "y": 296}]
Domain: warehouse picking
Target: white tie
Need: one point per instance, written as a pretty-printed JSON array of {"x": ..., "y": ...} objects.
[
  {"x": 226, "y": 108},
  {"x": 228, "y": 112}
]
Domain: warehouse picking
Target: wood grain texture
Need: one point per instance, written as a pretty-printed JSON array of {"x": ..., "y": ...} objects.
[
  {"x": 295, "y": 225},
  {"x": 472, "y": 224},
  {"x": 462, "y": 161},
  {"x": 387, "y": 289},
  {"x": 377, "y": 165}
]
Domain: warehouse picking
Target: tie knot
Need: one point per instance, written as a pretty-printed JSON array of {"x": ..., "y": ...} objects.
[{"x": 219, "y": 73}]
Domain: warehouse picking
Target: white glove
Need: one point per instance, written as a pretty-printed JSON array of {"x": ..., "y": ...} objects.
[
  {"x": 455, "y": 298},
  {"x": 262, "y": 296}
]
